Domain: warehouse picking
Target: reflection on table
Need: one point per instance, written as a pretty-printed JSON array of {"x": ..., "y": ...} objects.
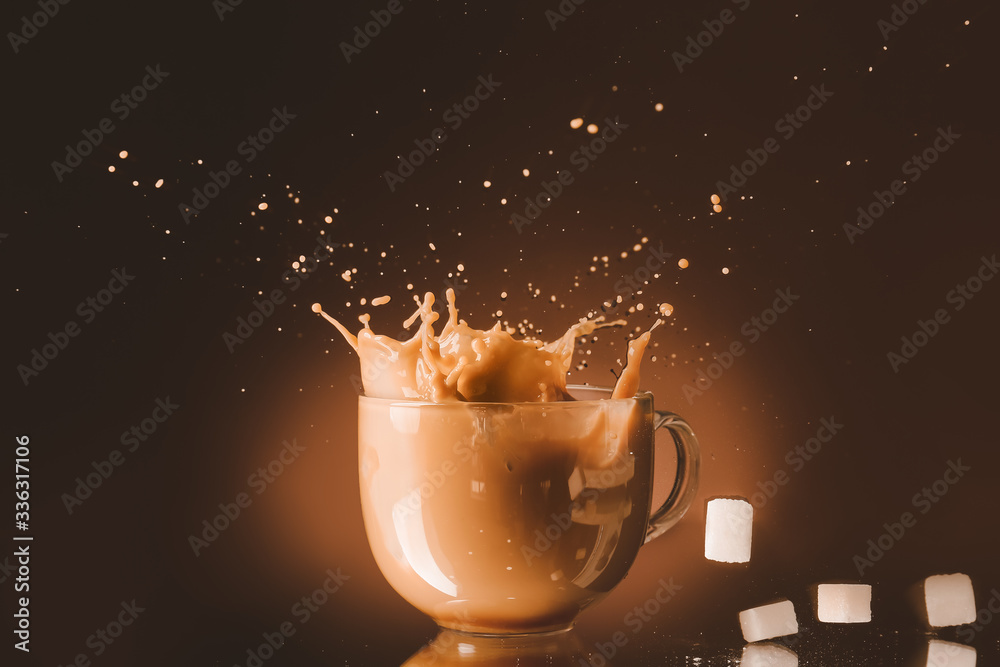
[{"x": 549, "y": 650}]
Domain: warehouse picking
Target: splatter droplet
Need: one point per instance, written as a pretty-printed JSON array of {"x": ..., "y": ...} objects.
[
  {"x": 683, "y": 263},
  {"x": 576, "y": 123}
]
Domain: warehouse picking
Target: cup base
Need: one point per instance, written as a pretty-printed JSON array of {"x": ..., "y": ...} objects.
[
  {"x": 462, "y": 648},
  {"x": 487, "y": 633}
]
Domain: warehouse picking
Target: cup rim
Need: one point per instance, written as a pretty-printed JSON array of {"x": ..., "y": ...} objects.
[{"x": 413, "y": 402}]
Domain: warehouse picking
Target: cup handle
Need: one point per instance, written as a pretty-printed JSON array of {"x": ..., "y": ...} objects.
[{"x": 686, "y": 483}]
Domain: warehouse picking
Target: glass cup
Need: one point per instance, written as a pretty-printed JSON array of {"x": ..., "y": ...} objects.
[{"x": 510, "y": 518}]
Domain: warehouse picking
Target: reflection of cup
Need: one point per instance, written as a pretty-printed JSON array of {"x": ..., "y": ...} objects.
[
  {"x": 556, "y": 649},
  {"x": 505, "y": 518}
]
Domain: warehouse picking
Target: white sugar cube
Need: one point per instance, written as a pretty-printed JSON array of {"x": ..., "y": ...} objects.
[
  {"x": 769, "y": 621},
  {"x": 844, "y": 603},
  {"x": 949, "y": 599},
  {"x": 947, "y": 654},
  {"x": 768, "y": 655},
  {"x": 728, "y": 529}
]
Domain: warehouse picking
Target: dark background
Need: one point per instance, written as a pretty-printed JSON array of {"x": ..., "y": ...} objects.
[{"x": 163, "y": 335}]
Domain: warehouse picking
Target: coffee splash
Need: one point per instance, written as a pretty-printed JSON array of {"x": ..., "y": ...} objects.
[{"x": 466, "y": 364}]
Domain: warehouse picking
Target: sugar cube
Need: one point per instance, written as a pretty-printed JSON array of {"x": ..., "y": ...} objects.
[
  {"x": 844, "y": 603},
  {"x": 768, "y": 655},
  {"x": 728, "y": 529},
  {"x": 949, "y": 599},
  {"x": 948, "y": 654},
  {"x": 768, "y": 621}
]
